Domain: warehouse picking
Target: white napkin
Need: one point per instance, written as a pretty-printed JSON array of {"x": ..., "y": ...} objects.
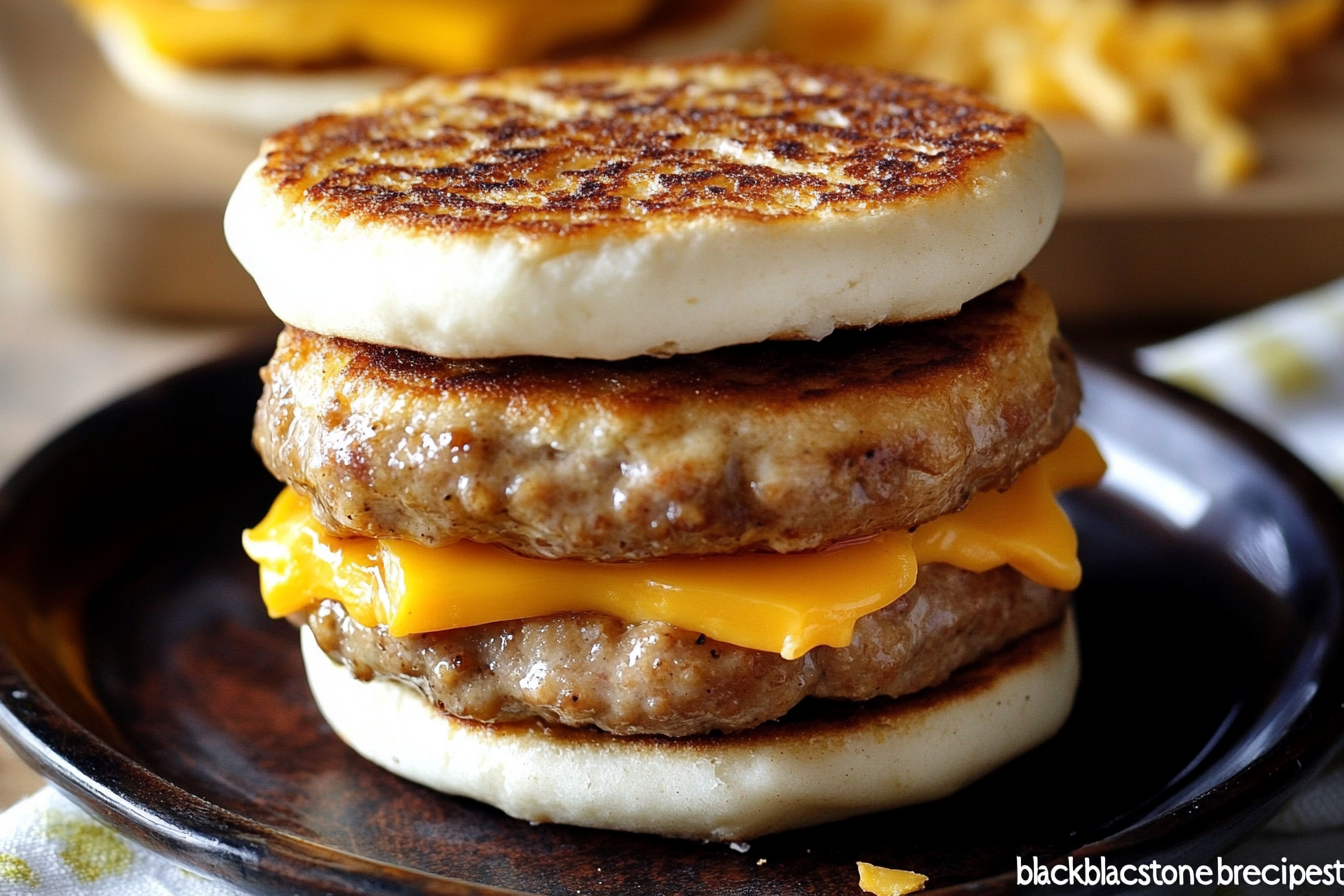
[
  {"x": 50, "y": 846},
  {"x": 1282, "y": 367}
]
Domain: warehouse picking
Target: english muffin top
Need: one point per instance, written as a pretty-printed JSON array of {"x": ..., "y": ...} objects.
[{"x": 613, "y": 208}]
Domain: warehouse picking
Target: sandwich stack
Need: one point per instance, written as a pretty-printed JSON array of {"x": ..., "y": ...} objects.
[{"x": 670, "y": 447}]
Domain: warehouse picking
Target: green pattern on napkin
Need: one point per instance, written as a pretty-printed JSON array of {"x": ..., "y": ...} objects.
[
  {"x": 1287, "y": 369},
  {"x": 1281, "y": 367},
  {"x": 15, "y": 870},
  {"x": 91, "y": 851}
]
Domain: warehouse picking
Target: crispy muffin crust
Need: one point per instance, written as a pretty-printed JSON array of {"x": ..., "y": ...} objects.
[
  {"x": 601, "y": 146},
  {"x": 589, "y": 669},
  {"x": 782, "y": 446},
  {"x": 613, "y": 208}
]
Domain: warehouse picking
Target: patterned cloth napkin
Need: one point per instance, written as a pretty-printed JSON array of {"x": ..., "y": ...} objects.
[
  {"x": 1281, "y": 367},
  {"x": 49, "y": 846}
]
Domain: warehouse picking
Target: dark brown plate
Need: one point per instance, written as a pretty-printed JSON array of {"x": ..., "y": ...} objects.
[{"x": 139, "y": 673}]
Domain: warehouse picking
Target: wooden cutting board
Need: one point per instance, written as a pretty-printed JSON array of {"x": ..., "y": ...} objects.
[{"x": 1138, "y": 239}]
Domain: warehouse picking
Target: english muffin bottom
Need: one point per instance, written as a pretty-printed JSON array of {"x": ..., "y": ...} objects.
[{"x": 825, "y": 762}]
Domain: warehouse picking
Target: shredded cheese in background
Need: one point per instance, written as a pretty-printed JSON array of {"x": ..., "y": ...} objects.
[{"x": 1122, "y": 63}]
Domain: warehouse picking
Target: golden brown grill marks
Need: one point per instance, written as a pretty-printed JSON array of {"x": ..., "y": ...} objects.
[{"x": 600, "y": 144}]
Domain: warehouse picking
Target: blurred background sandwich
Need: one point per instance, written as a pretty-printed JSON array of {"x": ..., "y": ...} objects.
[{"x": 265, "y": 64}]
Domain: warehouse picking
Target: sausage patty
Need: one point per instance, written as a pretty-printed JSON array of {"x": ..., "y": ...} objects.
[
  {"x": 589, "y": 669},
  {"x": 782, "y": 446}
]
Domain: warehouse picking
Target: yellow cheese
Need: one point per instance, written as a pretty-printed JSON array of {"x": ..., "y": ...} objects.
[
  {"x": 783, "y": 603},
  {"x": 435, "y": 35},
  {"x": 889, "y": 881},
  {"x": 1024, "y": 527},
  {"x": 764, "y": 601}
]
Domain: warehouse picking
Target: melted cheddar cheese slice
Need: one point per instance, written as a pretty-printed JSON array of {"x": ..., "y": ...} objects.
[
  {"x": 435, "y": 35},
  {"x": 782, "y": 603},
  {"x": 1023, "y": 527}
]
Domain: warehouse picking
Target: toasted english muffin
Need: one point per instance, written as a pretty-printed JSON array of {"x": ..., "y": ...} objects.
[
  {"x": 824, "y": 762},
  {"x": 785, "y": 445},
  {"x": 607, "y": 209}
]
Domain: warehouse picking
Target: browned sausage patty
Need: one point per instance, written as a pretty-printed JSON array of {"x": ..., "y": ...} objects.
[
  {"x": 783, "y": 446},
  {"x": 653, "y": 678}
]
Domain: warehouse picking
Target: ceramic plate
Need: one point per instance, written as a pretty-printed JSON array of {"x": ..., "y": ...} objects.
[{"x": 140, "y": 674}]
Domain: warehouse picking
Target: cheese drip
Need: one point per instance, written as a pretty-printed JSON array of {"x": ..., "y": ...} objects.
[
  {"x": 782, "y": 603},
  {"x": 434, "y": 35}
]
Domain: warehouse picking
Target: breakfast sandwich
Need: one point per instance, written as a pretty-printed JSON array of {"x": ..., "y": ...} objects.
[
  {"x": 670, "y": 447},
  {"x": 263, "y": 64}
]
